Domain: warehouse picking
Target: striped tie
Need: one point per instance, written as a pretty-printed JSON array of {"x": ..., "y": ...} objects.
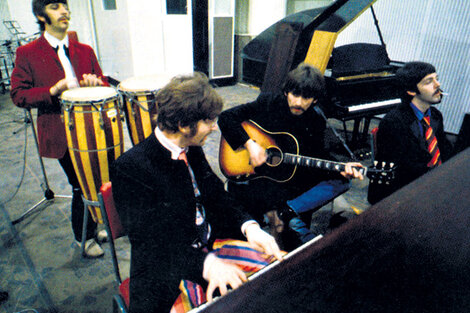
[
  {"x": 203, "y": 228},
  {"x": 431, "y": 141}
]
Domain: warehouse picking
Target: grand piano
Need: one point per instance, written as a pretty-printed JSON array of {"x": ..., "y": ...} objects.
[
  {"x": 360, "y": 77},
  {"x": 409, "y": 253}
]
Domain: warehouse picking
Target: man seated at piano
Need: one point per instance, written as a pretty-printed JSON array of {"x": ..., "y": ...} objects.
[
  {"x": 174, "y": 207},
  {"x": 289, "y": 111},
  {"x": 411, "y": 136}
]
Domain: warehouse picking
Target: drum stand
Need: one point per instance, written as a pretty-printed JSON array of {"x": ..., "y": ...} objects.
[{"x": 48, "y": 193}]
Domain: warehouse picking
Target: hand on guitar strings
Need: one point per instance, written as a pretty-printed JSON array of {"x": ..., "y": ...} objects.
[
  {"x": 351, "y": 171},
  {"x": 257, "y": 153}
]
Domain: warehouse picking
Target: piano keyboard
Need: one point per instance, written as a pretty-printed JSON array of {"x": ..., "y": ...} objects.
[{"x": 373, "y": 105}]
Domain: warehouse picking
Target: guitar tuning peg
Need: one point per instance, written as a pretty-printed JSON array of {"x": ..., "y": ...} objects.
[
  {"x": 383, "y": 164},
  {"x": 375, "y": 163},
  {"x": 392, "y": 164}
]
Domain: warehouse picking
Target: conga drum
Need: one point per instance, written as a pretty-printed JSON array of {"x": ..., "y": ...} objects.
[
  {"x": 141, "y": 111},
  {"x": 93, "y": 126}
]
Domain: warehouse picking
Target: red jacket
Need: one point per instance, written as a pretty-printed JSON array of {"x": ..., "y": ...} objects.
[{"x": 37, "y": 69}]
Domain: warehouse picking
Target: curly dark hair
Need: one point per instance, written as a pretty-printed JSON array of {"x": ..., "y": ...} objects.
[{"x": 185, "y": 101}]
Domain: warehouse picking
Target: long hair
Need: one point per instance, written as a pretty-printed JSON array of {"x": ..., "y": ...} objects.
[{"x": 185, "y": 101}]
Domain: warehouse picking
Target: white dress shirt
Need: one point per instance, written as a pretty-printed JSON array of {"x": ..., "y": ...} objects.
[{"x": 72, "y": 81}]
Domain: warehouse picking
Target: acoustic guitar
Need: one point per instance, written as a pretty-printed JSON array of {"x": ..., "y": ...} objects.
[{"x": 283, "y": 158}]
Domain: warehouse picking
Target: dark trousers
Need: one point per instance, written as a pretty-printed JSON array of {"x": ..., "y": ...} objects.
[{"x": 77, "y": 202}]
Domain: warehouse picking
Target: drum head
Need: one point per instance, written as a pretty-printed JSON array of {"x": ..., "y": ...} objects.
[
  {"x": 144, "y": 83},
  {"x": 86, "y": 94}
]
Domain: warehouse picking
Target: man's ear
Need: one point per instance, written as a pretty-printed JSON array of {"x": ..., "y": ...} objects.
[
  {"x": 41, "y": 18},
  {"x": 411, "y": 93},
  {"x": 185, "y": 130}
]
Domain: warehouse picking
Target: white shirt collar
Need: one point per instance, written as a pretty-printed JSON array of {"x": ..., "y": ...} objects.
[
  {"x": 168, "y": 144},
  {"x": 54, "y": 42}
]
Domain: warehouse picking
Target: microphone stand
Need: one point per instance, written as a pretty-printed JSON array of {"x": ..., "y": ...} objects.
[
  {"x": 48, "y": 193},
  {"x": 320, "y": 112}
]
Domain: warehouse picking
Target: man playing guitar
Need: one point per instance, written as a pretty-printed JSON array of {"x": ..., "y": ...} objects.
[{"x": 291, "y": 112}]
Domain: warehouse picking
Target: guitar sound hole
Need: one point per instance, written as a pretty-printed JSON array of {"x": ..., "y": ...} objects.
[{"x": 274, "y": 156}]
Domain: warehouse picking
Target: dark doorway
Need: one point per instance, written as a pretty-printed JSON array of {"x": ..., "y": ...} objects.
[{"x": 201, "y": 36}]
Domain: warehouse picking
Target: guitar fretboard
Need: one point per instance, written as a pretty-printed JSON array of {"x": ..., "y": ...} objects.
[{"x": 318, "y": 163}]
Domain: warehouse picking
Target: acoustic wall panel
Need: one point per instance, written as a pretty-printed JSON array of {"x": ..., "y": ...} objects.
[
  {"x": 222, "y": 47},
  {"x": 221, "y": 38}
]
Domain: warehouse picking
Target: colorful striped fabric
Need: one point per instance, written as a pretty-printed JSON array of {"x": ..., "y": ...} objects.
[
  {"x": 234, "y": 251},
  {"x": 192, "y": 295},
  {"x": 431, "y": 141}
]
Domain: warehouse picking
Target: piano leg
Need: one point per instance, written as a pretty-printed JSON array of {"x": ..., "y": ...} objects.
[
  {"x": 359, "y": 136},
  {"x": 365, "y": 129},
  {"x": 355, "y": 133},
  {"x": 345, "y": 130}
]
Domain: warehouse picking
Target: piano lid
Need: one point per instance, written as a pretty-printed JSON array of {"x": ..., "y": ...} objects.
[{"x": 326, "y": 21}]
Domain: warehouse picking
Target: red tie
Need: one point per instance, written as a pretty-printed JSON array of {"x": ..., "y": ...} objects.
[
  {"x": 431, "y": 141},
  {"x": 183, "y": 157}
]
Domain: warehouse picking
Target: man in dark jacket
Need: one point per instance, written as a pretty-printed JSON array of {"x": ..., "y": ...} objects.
[
  {"x": 174, "y": 206},
  {"x": 412, "y": 135},
  {"x": 291, "y": 112}
]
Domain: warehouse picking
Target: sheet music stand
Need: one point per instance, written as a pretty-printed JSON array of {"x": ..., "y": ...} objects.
[{"x": 48, "y": 193}]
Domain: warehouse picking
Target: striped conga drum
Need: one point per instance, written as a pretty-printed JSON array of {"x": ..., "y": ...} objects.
[
  {"x": 141, "y": 111},
  {"x": 93, "y": 126}
]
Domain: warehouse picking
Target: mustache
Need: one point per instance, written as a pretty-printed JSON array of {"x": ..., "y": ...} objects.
[
  {"x": 298, "y": 108},
  {"x": 441, "y": 92}
]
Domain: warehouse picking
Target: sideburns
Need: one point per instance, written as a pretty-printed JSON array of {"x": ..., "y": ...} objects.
[
  {"x": 48, "y": 19},
  {"x": 192, "y": 131}
]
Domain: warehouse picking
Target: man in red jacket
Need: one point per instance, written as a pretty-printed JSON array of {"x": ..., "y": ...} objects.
[{"x": 44, "y": 69}]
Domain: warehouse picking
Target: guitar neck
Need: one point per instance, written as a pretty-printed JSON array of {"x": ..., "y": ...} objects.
[{"x": 318, "y": 163}]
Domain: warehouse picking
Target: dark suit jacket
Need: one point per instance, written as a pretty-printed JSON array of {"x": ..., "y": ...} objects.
[
  {"x": 37, "y": 69},
  {"x": 155, "y": 199},
  {"x": 400, "y": 141}
]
